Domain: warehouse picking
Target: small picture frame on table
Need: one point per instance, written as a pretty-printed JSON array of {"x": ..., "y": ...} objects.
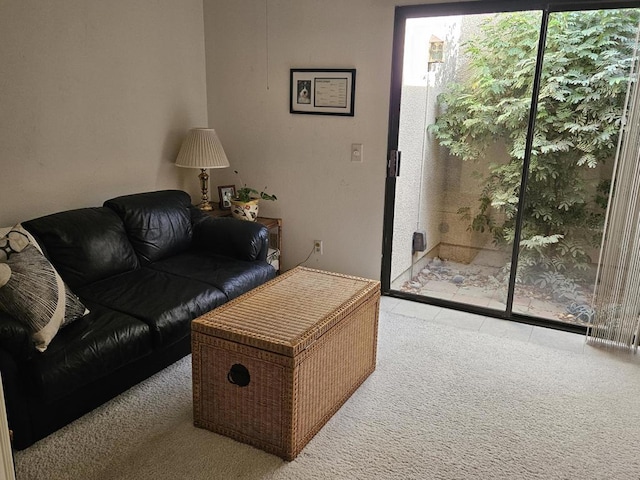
[{"x": 225, "y": 193}]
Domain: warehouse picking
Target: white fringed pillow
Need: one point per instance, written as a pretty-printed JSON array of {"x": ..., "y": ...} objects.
[{"x": 31, "y": 290}]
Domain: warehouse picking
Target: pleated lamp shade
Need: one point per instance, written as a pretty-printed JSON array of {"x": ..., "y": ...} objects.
[{"x": 202, "y": 149}]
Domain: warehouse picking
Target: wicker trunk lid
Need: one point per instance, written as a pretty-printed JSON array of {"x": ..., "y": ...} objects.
[{"x": 272, "y": 366}]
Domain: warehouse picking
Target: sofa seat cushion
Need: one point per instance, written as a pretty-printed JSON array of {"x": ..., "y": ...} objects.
[
  {"x": 85, "y": 351},
  {"x": 163, "y": 301},
  {"x": 233, "y": 277},
  {"x": 158, "y": 223}
]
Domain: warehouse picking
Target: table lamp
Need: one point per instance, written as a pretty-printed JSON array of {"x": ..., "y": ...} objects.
[{"x": 202, "y": 149}]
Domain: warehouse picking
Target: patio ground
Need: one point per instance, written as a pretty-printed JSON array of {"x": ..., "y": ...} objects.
[{"x": 481, "y": 285}]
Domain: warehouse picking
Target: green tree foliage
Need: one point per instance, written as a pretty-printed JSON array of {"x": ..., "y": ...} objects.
[{"x": 587, "y": 60}]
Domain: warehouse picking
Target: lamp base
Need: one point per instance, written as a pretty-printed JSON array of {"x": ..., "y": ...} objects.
[{"x": 205, "y": 206}]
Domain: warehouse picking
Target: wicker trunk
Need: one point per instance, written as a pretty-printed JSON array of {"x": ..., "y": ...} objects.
[{"x": 271, "y": 367}]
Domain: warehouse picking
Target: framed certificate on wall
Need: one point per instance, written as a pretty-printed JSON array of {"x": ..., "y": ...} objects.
[{"x": 327, "y": 91}]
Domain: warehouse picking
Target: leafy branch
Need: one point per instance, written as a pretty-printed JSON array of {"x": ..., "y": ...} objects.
[
  {"x": 245, "y": 194},
  {"x": 587, "y": 59}
]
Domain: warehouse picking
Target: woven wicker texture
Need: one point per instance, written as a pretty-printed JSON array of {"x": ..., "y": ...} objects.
[
  {"x": 259, "y": 411},
  {"x": 288, "y": 313},
  {"x": 334, "y": 368},
  {"x": 308, "y": 340}
]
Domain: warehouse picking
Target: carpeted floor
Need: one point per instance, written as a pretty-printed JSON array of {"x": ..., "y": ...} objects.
[{"x": 444, "y": 403}]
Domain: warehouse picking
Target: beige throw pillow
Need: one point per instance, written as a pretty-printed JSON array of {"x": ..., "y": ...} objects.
[{"x": 32, "y": 291}]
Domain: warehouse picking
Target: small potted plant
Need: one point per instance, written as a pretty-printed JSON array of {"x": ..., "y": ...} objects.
[{"x": 244, "y": 204}]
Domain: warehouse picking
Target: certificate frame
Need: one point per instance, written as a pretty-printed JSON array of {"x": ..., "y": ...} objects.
[{"x": 322, "y": 91}]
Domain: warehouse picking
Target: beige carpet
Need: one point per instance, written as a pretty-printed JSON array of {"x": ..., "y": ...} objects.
[{"x": 443, "y": 403}]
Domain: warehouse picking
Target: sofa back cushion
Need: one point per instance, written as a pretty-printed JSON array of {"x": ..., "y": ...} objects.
[
  {"x": 85, "y": 245},
  {"x": 158, "y": 224}
]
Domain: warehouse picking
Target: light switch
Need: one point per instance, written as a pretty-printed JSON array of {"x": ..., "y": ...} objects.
[{"x": 356, "y": 152}]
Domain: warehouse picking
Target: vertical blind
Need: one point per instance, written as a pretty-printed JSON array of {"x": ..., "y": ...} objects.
[{"x": 617, "y": 292}]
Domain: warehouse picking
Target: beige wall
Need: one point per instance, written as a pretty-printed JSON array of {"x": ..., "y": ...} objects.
[
  {"x": 305, "y": 159},
  {"x": 95, "y": 97}
]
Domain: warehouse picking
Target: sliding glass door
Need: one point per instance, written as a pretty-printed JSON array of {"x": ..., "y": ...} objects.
[{"x": 488, "y": 103}]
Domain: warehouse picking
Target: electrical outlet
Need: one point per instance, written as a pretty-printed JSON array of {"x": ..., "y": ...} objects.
[{"x": 317, "y": 246}]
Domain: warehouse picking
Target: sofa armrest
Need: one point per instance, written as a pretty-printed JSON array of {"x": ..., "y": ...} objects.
[
  {"x": 231, "y": 237},
  {"x": 15, "y": 338}
]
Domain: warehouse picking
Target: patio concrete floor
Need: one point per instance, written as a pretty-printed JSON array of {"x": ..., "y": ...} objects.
[{"x": 480, "y": 285}]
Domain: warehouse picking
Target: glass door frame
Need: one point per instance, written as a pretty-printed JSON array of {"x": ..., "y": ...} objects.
[{"x": 404, "y": 13}]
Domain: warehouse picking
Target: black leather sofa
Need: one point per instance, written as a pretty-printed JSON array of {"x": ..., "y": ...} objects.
[{"x": 144, "y": 265}]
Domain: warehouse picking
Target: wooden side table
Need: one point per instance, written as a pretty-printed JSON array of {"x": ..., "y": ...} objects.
[{"x": 274, "y": 225}]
